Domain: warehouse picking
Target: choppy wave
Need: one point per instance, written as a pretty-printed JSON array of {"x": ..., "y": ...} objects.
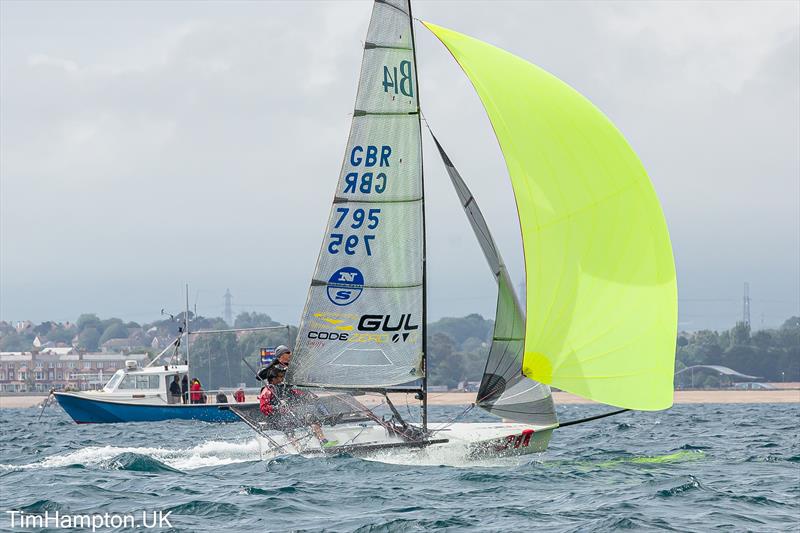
[
  {"x": 207, "y": 454},
  {"x": 689, "y": 468}
]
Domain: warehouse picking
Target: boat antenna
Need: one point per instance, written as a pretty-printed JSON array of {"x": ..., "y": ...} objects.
[{"x": 186, "y": 327}]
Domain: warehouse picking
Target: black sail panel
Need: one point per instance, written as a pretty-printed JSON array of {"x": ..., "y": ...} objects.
[{"x": 504, "y": 391}]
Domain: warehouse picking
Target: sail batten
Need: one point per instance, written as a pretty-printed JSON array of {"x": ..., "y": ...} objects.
[{"x": 601, "y": 303}]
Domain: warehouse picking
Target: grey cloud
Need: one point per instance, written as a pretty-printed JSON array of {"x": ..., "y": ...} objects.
[{"x": 146, "y": 145}]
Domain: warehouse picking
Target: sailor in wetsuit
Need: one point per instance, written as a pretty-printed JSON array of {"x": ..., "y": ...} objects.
[{"x": 275, "y": 402}]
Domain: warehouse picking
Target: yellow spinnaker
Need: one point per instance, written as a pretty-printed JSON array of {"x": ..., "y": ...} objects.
[{"x": 602, "y": 297}]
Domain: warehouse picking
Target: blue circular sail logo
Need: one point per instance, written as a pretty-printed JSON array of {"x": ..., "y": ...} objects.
[{"x": 345, "y": 286}]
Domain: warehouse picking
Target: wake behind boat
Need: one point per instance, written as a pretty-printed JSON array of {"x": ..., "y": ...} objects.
[{"x": 601, "y": 303}]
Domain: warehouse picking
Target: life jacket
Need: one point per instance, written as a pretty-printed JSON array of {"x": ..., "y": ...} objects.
[
  {"x": 196, "y": 393},
  {"x": 238, "y": 395},
  {"x": 268, "y": 400}
]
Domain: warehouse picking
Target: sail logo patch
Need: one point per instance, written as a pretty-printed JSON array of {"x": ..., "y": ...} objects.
[{"x": 345, "y": 286}]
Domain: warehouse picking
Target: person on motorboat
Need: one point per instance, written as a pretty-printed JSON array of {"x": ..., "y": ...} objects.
[
  {"x": 196, "y": 395},
  {"x": 275, "y": 401},
  {"x": 175, "y": 390},
  {"x": 185, "y": 388},
  {"x": 239, "y": 395}
]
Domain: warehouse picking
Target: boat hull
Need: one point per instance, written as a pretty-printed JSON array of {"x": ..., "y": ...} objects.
[
  {"x": 510, "y": 442},
  {"x": 475, "y": 441},
  {"x": 85, "y": 410}
]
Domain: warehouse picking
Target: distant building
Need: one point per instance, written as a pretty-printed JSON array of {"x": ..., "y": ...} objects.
[
  {"x": 59, "y": 368},
  {"x": 23, "y": 325},
  {"x": 14, "y": 370},
  {"x": 119, "y": 345},
  {"x": 59, "y": 350}
]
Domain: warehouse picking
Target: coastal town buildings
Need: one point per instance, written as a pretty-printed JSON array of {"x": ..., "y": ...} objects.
[{"x": 59, "y": 369}]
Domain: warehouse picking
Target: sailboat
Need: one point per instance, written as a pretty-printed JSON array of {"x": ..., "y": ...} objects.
[{"x": 601, "y": 305}]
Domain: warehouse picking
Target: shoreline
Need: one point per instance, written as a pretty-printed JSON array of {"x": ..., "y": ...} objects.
[{"x": 563, "y": 398}]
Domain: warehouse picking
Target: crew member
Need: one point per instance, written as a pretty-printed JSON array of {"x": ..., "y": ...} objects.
[
  {"x": 272, "y": 402},
  {"x": 282, "y": 356}
]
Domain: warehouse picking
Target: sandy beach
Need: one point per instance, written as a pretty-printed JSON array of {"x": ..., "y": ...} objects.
[
  {"x": 465, "y": 398},
  {"x": 681, "y": 397}
]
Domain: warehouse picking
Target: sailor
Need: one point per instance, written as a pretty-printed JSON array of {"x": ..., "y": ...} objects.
[
  {"x": 268, "y": 400},
  {"x": 273, "y": 400},
  {"x": 282, "y": 356},
  {"x": 175, "y": 390}
]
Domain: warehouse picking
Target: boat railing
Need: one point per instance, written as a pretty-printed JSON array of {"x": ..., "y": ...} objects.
[{"x": 218, "y": 396}]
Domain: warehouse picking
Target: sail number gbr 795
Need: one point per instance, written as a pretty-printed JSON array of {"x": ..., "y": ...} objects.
[
  {"x": 347, "y": 219},
  {"x": 353, "y": 219}
]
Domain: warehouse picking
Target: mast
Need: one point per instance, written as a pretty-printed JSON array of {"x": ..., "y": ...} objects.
[{"x": 424, "y": 324}]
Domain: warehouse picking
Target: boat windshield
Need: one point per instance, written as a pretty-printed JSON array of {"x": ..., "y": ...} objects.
[
  {"x": 140, "y": 382},
  {"x": 114, "y": 381}
]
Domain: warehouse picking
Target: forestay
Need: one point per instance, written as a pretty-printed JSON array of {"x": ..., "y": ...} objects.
[
  {"x": 504, "y": 390},
  {"x": 362, "y": 325}
]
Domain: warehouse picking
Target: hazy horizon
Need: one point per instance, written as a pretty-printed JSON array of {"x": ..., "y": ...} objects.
[{"x": 144, "y": 146}]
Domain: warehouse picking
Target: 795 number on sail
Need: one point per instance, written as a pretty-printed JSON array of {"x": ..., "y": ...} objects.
[
  {"x": 355, "y": 219},
  {"x": 350, "y": 244},
  {"x": 358, "y": 216}
]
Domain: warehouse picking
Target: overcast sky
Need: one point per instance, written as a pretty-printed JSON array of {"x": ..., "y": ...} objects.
[{"x": 144, "y": 145}]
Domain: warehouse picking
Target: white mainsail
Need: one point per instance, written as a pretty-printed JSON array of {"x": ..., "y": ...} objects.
[{"x": 363, "y": 322}]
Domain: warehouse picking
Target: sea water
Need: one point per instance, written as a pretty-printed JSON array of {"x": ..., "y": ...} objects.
[{"x": 692, "y": 468}]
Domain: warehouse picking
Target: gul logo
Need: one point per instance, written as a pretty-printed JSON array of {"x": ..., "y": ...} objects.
[
  {"x": 370, "y": 329},
  {"x": 397, "y": 337},
  {"x": 386, "y": 323},
  {"x": 345, "y": 286}
]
